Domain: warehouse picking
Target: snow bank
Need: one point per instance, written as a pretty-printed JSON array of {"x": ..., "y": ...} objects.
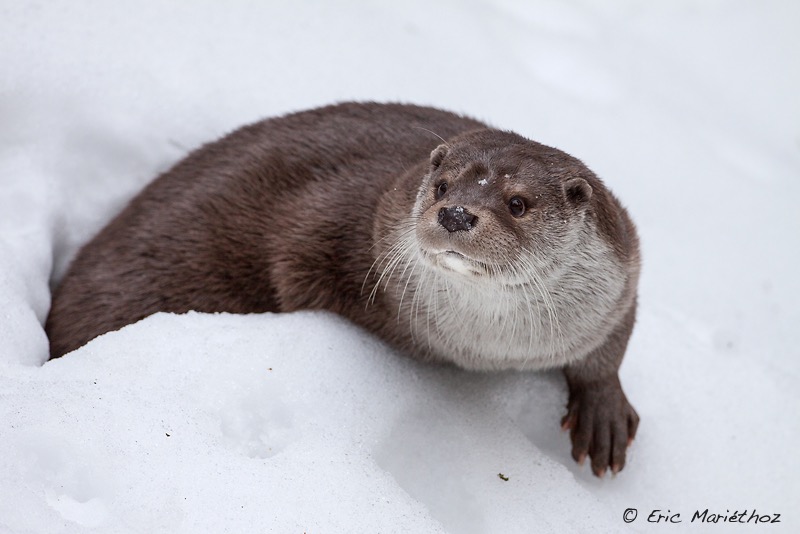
[{"x": 292, "y": 423}]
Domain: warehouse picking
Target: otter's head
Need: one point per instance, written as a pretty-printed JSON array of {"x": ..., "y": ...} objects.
[{"x": 495, "y": 204}]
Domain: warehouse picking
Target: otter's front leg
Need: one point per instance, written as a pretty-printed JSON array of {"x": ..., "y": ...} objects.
[{"x": 601, "y": 421}]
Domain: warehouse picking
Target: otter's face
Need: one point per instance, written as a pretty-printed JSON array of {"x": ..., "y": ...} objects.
[{"x": 495, "y": 204}]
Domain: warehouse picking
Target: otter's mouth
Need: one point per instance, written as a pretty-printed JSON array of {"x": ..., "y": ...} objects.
[
  {"x": 453, "y": 253},
  {"x": 454, "y": 261}
]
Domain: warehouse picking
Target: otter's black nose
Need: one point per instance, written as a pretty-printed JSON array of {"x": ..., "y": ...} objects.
[{"x": 456, "y": 218}]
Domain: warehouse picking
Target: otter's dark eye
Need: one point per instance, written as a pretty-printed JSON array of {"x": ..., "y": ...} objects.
[
  {"x": 517, "y": 207},
  {"x": 441, "y": 190}
]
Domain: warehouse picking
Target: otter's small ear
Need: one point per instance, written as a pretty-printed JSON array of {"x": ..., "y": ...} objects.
[
  {"x": 578, "y": 191},
  {"x": 438, "y": 155}
]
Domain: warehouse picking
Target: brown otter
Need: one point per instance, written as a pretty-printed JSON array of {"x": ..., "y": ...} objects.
[{"x": 489, "y": 251}]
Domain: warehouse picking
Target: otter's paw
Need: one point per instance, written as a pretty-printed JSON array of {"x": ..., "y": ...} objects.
[{"x": 602, "y": 424}]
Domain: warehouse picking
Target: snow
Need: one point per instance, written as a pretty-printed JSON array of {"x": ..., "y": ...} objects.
[{"x": 304, "y": 423}]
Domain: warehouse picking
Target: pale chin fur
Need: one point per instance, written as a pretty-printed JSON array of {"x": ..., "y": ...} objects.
[{"x": 484, "y": 318}]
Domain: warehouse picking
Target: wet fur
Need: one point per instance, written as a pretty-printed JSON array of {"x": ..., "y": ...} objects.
[{"x": 335, "y": 209}]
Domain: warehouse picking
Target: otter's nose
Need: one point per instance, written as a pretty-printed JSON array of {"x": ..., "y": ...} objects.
[{"x": 457, "y": 218}]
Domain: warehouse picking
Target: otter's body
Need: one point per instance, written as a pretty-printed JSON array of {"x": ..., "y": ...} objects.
[{"x": 450, "y": 240}]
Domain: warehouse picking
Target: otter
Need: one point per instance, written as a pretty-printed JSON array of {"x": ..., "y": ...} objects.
[{"x": 453, "y": 241}]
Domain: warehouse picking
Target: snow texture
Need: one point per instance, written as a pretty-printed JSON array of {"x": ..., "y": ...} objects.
[{"x": 303, "y": 423}]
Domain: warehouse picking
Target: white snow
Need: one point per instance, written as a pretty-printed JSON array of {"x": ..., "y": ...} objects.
[{"x": 303, "y": 423}]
